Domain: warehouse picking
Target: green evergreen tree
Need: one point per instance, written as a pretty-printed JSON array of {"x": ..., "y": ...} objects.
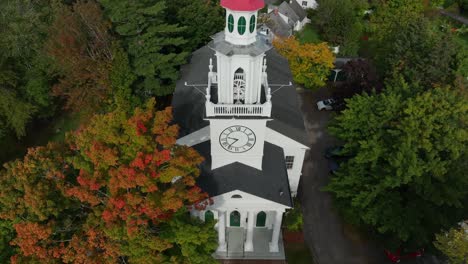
[
  {"x": 155, "y": 47},
  {"x": 201, "y": 18}
]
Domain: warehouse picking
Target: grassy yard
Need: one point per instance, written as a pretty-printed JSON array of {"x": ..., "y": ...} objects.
[
  {"x": 298, "y": 253},
  {"x": 308, "y": 35}
]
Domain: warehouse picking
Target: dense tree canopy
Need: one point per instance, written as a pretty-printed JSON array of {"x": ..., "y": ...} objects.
[
  {"x": 339, "y": 23},
  {"x": 421, "y": 52},
  {"x": 115, "y": 192},
  {"x": 24, "y": 89},
  {"x": 82, "y": 52},
  {"x": 360, "y": 77},
  {"x": 406, "y": 173},
  {"x": 155, "y": 47},
  {"x": 201, "y": 19},
  {"x": 310, "y": 63}
]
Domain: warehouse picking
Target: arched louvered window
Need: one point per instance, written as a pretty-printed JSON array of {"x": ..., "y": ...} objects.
[
  {"x": 209, "y": 216},
  {"x": 230, "y": 23},
  {"x": 261, "y": 219},
  {"x": 234, "y": 218},
  {"x": 241, "y": 24},
  {"x": 252, "y": 23}
]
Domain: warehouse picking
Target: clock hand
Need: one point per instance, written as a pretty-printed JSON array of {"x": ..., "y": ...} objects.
[{"x": 233, "y": 142}]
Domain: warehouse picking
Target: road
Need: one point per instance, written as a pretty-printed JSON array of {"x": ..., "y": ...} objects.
[{"x": 329, "y": 238}]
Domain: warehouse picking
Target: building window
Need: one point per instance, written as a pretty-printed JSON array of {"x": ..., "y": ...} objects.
[
  {"x": 252, "y": 23},
  {"x": 234, "y": 218},
  {"x": 304, "y": 3},
  {"x": 230, "y": 23},
  {"x": 241, "y": 24},
  {"x": 209, "y": 216},
  {"x": 236, "y": 196},
  {"x": 289, "y": 162},
  {"x": 261, "y": 219}
]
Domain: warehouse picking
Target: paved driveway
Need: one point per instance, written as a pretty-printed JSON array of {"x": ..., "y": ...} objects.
[{"x": 329, "y": 238}]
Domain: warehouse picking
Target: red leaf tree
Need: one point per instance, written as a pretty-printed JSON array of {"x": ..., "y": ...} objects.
[{"x": 106, "y": 195}]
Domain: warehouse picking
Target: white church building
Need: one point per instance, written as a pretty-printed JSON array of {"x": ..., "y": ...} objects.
[{"x": 236, "y": 106}]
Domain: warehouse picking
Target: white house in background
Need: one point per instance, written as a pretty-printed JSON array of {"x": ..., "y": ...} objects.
[
  {"x": 251, "y": 134},
  {"x": 306, "y": 4},
  {"x": 286, "y": 18}
]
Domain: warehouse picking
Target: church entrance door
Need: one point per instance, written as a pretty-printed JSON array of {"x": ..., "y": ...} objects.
[
  {"x": 234, "y": 218},
  {"x": 235, "y": 236}
]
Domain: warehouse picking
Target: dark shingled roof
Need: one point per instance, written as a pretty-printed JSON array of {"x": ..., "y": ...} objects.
[
  {"x": 270, "y": 183},
  {"x": 286, "y": 10},
  {"x": 279, "y": 27},
  {"x": 189, "y": 102},
  {"x": 300, "y": 12}
]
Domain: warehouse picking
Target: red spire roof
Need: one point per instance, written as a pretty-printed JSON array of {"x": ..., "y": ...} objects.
[{"x": 243, "y": 5}]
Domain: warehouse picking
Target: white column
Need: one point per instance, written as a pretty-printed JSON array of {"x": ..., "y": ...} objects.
[
  {"x": 276, "y": 232},
  {"x": 250, "y": 226},
  {"x": 222, "y": 231}
]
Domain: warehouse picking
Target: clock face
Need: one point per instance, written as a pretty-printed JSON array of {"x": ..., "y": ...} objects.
[{"x": 237, "y": 139}]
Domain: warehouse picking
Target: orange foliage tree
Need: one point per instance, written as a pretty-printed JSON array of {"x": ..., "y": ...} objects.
[
  {"x": 109, "y": 194},
  {"x": 81, "y": 47},
  {"x": 310, "y": 63}
]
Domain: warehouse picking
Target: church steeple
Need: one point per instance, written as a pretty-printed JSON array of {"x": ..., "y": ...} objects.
[
  {"x": 242, "y": 86},
  {"x": 239, "y": 89}
]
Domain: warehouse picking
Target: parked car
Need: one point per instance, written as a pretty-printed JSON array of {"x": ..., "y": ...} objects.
[
  {"x": 326, "y": 104},
  {"x": 335, "y": 158},
  {"x": 400, "y": 254},
  {"x": 333, "y": 151}
]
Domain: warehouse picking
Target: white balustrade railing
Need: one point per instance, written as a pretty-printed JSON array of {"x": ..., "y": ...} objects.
[{"x": 238, "y": 109}]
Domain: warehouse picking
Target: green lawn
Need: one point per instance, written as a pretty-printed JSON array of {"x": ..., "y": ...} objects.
[
  {"x": 298, "y": 253},
  {"x": 308, "y": 35}
]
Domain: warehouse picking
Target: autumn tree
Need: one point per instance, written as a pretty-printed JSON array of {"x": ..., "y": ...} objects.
[
  {"x": 361, "y": 77},
  {"x": 155, "y": 47},
  {"x": 406, "y": 174},
  {"x": 454, "y": 243},
  {"x": 310, "y": 63},
  {"x": 82, "y": 54},
  {"x": 115, "y": 191}
]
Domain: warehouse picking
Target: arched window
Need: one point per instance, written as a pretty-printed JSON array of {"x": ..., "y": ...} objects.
[
  {"x": 236, "y": 196},
  {"x": 252, "y": 23},
  {"x": 261, "y": 219},
  {"x": 234, "y": 218},
  {"x": 230, "y": 23},
  {"x": 239, "y": 86},
  {"x": 241, "y": 24},
  {"x": 209, "y": 216}
]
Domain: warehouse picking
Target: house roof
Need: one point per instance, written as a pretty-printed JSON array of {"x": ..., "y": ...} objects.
[
  {"x": 243, "y": 5},
  {"x": 300, "y": 12},
  {"x": 279, "y": 27},
  {"x": 189, "y": 101},
  {"x": 286, "y": 10},
  {"x": 270, "y": 183}
]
